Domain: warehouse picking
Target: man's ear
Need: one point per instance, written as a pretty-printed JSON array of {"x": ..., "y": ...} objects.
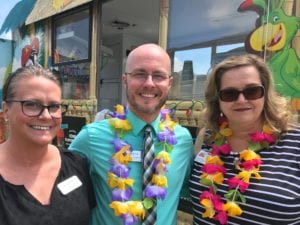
[
  {"x": 124, "y": 80},
  {"x": 171, "y": 80}
]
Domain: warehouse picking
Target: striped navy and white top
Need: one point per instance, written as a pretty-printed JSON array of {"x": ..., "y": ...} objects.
[{"x": 273, "y": 200}]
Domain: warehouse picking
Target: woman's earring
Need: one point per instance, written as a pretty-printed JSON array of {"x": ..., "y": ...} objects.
[{"x": 221, "y": 118}]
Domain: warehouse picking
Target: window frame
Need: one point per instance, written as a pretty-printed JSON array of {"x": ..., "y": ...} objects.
[{"x": 58, "y": 19}]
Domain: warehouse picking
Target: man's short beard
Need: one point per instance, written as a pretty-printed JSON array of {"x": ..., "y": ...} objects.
[{"x": 151, "y": 111}]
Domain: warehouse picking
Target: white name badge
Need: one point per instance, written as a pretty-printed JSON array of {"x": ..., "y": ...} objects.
[
  {"x": 69, "y": 185},
  {"x": 136, "y": 156},
  {"x": 201, "y": 156}
]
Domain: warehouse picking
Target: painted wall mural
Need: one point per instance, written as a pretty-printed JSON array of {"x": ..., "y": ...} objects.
[
  {"x": 26, "y": 49},
  {"x": 17, "y": 15},
  {"x": 59, "y": 4},
  {"x": 273, "y": 37},
  {"x": 5, "y": 63},
  {"x": 29, "y": 45},
  {"x": 30, "y": 52}
]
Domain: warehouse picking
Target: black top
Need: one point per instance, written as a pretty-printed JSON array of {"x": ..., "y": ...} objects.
[
  {"x": 19, "y": 207},
  {"x": 273, "y": 200}
]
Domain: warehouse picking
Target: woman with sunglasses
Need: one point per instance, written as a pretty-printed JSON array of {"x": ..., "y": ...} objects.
[
  {"x": 247, "y": 170},
  {"x": 39, "y": 183}
]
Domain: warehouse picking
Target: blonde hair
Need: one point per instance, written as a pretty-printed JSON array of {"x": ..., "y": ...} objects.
[
  {"x": 9, "y": 87},
  {"x": 276, "y": 108}
]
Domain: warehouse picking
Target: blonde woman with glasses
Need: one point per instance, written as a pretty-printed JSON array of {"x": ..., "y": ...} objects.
[{"x": 39, "y": 183}]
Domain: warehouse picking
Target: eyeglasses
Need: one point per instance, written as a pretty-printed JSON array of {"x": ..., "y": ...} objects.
[
  {"x": 33, "y": 109},
  {"x": 141, "y": 76},
  {"x": 250, "y": 93}
]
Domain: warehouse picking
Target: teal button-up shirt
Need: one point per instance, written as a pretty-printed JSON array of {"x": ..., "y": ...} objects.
[{"x": 95, "y": 142}]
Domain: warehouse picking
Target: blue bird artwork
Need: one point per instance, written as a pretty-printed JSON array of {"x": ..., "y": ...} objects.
[{"x": 17, "y": 16}]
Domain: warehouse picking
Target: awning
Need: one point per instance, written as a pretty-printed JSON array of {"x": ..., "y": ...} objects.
[{"x": 46, "y": 8}]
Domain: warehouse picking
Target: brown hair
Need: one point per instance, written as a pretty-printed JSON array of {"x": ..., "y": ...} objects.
[
  {"x": 276, "y": 111},
  {"x": 9, "y": 87}
]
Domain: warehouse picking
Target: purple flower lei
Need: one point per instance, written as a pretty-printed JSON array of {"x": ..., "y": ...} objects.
[{"x": 118, "y": 175}]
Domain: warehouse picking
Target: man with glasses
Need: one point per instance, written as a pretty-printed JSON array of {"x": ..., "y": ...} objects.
[{"x": 147, "y": 80}]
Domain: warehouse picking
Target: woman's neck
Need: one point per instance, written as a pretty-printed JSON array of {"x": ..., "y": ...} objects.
[
  {"x": 25, "y": 155},
  {"x": 240, "y": 135}
]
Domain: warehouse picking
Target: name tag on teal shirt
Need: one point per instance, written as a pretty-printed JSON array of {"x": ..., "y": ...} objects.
[{"x": 136, "y": 156}]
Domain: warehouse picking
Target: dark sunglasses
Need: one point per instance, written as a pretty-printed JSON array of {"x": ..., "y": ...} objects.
[{"x": 250, "y": 93}]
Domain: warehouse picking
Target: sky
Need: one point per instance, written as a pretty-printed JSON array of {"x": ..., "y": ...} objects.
[
  {"x": 5, "y": 8},
  {"x": 202, "y": 21},
  {"x": 200, "y": 57}
]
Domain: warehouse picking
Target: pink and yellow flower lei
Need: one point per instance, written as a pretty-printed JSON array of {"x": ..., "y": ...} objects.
[
  {"x": 213, "y": 173},
  {"x": 118, "y": 176}
]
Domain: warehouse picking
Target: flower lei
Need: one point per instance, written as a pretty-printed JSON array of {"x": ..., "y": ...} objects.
[
  {"x": 213, "y": 173},
  {"x": 118, "y": 176}
]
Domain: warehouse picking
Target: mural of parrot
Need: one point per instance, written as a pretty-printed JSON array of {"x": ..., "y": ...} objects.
[
  {"x": 30, "y": 53},
  {"x": 275, "y": 34}
]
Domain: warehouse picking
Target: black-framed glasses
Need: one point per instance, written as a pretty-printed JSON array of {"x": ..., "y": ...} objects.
[
  {"x": 142, "y": 76},
  {"x": 250, "y": 93},
  {"x": 34, "y": 109}
]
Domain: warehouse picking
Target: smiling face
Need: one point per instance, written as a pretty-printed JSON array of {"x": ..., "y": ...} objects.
[
  {"x": 148, "y": 93},
  {"x": 242, "y": 111},
  {"x": 39, "y": 130}
]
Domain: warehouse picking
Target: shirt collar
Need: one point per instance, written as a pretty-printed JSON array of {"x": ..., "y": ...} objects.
[{"x": 137, "y": 125}]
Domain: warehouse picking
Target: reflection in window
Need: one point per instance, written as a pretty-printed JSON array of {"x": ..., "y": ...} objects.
[
  {"x": 72, "y": 35},
  {"x": 74, "y": 79},
  {"x": 190, "y": 70},
  {"x": 223, "y": 51},
  {"x": 191, "y": 67},
  {"x": 231, "y": 47}
]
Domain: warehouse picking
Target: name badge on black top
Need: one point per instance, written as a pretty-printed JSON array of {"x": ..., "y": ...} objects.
[{"x": 68, "y": 185}]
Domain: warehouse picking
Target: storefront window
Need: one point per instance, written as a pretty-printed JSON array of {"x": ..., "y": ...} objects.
[
  {"x": 72, "y": 37},
  {"x": 71, "y": 61},
  {"x": 190, "y": 70},
  {"x": 75, "y": 80},
  {"x": 223, "y": 51},
  {"x": 200, "y": 35}
]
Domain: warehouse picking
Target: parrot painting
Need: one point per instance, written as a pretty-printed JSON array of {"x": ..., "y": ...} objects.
[
  {"x": 274, "y": 35},
  {"x": 30, "y": 53}
]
